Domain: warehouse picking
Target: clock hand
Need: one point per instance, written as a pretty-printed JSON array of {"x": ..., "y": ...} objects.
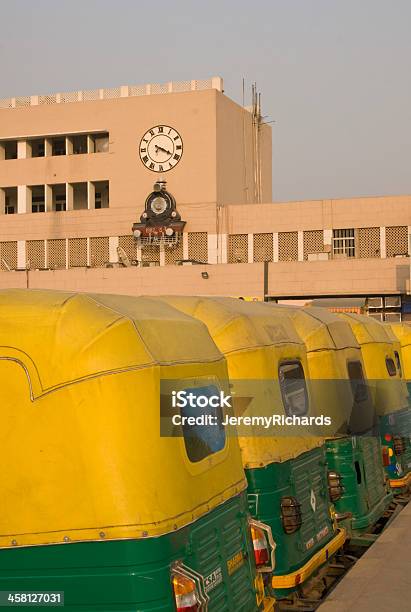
[{"x": 158, "y": 148}]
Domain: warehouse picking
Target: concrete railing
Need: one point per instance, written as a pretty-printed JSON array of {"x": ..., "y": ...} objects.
[{"x": 111, "y": 93}]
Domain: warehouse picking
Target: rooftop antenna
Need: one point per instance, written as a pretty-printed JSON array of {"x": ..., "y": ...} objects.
[
  {"x": 256, "y": 120},
  {"x": 245, "y": 146}
]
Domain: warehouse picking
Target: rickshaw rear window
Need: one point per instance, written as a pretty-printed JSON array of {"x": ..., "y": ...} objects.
[
  {"x": 398, "y": 362},
  {"x": 293, "y": 388},
  {"x": 391, "y": 369},
  {"x": 201, "y": 441},
  {"x": 358, "y": 384}
]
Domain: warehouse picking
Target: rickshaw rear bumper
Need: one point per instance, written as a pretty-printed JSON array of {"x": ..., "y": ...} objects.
[{"x": 289, "y": 581}]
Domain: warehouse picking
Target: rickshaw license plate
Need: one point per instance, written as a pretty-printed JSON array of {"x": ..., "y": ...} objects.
[
  {"x": 213, "y": 579},
  {"x": 235, "y": 562}
]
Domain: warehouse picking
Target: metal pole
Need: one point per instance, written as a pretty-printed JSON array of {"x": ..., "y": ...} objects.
[{"x": 266, "y": 281}]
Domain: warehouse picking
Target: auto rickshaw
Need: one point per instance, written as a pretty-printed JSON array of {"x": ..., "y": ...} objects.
[
  {"x": 402, "y": 331},
  {"x": 339, "y": 387},
  {"x": 382, "y": 361},
  {"x": 95, "y": 502},
  {"x": 286, "y": 472}
]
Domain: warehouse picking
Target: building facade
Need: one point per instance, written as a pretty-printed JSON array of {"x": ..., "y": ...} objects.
[{"x": 76, "y": 169}]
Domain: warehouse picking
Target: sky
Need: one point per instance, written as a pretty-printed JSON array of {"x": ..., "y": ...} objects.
[{"x": 334, "y": 75}]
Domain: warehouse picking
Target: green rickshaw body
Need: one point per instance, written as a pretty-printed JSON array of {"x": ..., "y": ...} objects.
[
  {"x": 335, "y": 360},
  {"x": 95, "y": 502},
  {"x": 256, "y": 343},
  {"x": 382, "y": 360},
  {"x": 366, "y": 495},
  {"x": 305, "y": 479},
  {"x": 126, "y": 575},
  {"x": 401, "y": 421}
]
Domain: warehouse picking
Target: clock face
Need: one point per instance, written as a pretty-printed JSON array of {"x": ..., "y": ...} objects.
[{"x": 161, "y": 148}]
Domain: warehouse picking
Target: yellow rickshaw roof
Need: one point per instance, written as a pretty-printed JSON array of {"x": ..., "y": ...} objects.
[
  {"x": 81, "y": 451},
  {"x": 319, "y": 328},
  {"x": 367, "y": 329},
  {"x": 238, "y": 325},
  {"x": 239, "y": 328},
  {"x": 76, "y": 332},
  {"x": 401, "y": 331}
]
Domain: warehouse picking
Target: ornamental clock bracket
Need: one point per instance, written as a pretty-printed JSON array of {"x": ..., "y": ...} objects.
[{"x": 160, "y": 222}]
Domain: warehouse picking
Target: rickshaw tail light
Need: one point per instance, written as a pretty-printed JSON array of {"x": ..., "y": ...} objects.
[
  {"x": 291, "y": 514},
  {"x": 399, "y": 445},
  {"x": 185, "y": 594},
  {"x": 261, "y": 550},
  {"x": 385, "y": 456},
  {"x": 335, "y": 487}
]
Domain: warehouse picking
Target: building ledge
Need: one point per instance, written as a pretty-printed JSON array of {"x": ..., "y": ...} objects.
[{"x": 111, "y": 93}]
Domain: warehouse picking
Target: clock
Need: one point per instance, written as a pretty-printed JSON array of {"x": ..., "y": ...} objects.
[{"x": 161, "y": 148}]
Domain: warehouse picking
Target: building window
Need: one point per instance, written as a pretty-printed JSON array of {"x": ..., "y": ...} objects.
[
  {"x": 10, "y": 200},
  {"x": 79, "y": 144},
  {"x": 101, "y": 194},
  {"x": 59, "y": 146},
  {"x": 10, "y": 209},
  {"x": 37, "y": 198},
  {"x": 37, "y": 147},
  {"x": 99, "y": 143},
  {"x": 344, "y": 242},
  {"x": 76, "y": 144},
  {"x": 10, "y": 149},
  {"x": 37, "y": 204},
  {"x": 79, "y": 196},
  {"x": 60, "y": 203},
  {"x": 58, "y": 193}
]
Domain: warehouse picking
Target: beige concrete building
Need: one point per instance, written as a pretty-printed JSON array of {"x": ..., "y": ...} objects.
[{"x": 76, "y": 169}]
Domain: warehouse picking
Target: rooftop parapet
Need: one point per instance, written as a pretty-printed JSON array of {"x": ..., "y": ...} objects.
[{"x": 111, "y": 93}]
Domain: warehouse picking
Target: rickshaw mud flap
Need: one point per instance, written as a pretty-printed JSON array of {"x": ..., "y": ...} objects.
[
  {"x": 265, "y": 603},
  {"x": 268, "y": 605},
  {"x": 401, "y": 482},
  {"x": 303, "y": 573}
]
